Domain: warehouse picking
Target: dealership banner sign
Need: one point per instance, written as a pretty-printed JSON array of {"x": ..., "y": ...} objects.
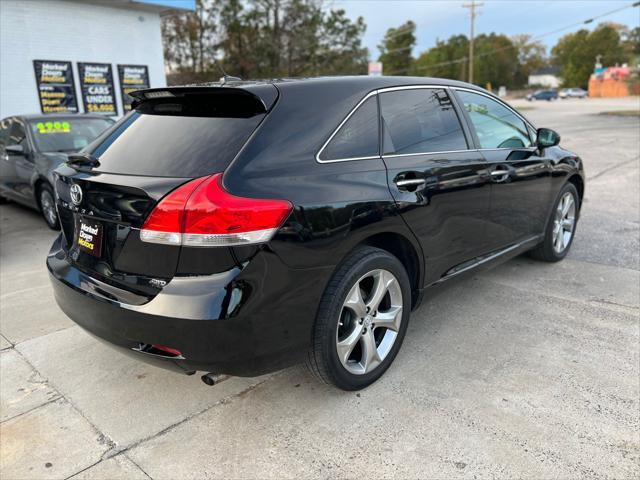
[
  {"x": 132, "y": 78},
  {"x": 96, "y": 84},
  {"x": 56, "y": 88}
]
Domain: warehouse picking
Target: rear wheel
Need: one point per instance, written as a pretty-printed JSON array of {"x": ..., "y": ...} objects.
[
  {"x": 48, "y": 206},
  {"x": 561, "y": 227},
  {"x": 361, "y": 321}
]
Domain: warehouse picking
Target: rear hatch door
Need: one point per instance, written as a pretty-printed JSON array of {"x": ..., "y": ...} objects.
[{"x": 167, "y": 140}]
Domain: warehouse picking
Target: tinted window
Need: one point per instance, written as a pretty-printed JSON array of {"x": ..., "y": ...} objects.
[
  {"x": 66, "y": 134},
  {"x": 496, "y": 125},
  {"x": 17, "y": 136},
  {"x": 358, "y": 137},
  {"x": 5, "y": 127},
  {"x": 171, "y": 146},
  {"x": 420, "y": 121}
]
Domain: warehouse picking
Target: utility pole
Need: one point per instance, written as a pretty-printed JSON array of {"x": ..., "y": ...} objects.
[{"x": 472, "y": 10}]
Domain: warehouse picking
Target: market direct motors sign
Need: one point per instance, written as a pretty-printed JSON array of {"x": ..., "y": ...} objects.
[
  {"x": 96, "y": 84},
  {"x": 56, "y": 88},
  {"x": 132, "y": 78}
]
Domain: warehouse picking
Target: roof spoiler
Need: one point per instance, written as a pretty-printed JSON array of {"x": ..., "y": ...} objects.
[{"x": 200, "y": 101}]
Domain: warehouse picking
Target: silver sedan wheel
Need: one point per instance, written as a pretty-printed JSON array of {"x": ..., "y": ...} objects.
[
  {"x": 48, "y": 207},
  {"x": 564, "y": 223},
  {"x": 369, "y": 321}
]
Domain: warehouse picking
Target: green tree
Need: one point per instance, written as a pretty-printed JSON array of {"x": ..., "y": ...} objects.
[
  {"x": 448, "y": 59},
  {"x": 631, "y": 45},
  {"x": 190, "y": 41},
  {"x": 271, "y": 38},
  {"x": 263, "y": 38},
  {"x": 341, "y": 50},
  {"x": 395, "y": 49},
  {"x": 496, "y": 61},
  {"x": 531, "y": 57},
  {"x": 237, "y": 40},
  {"x": 576, "y": 53}
]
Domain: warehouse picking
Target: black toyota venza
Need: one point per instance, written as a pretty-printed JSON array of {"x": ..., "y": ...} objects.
[{"x": 244, "y": 227}]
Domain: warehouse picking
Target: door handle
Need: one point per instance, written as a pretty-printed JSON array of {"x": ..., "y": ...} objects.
[
  {"x": 500, "y": 174},
  {"x": 410, "y": 182}
]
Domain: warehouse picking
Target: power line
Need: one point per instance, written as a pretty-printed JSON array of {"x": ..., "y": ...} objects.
[{"x": 534, "y": 38}]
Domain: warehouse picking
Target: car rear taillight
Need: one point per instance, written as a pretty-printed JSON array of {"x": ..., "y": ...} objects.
[{"x": 201, "y": 213}]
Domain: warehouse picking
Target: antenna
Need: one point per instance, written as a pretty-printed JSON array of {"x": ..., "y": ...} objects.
[{"x": 225, "y": 77}]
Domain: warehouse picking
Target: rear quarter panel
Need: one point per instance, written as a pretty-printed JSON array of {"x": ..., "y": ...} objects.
[{"x": 336, "y": 205}]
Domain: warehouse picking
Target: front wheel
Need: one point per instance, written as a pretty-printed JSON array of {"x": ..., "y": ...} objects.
[
  {"x": 361, "y": 320},
  {"x": 561, "y": 227},
  {"x": 48, "y": 206}
]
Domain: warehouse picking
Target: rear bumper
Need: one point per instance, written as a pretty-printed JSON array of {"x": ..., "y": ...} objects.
[{"x": 246, "y": 321}]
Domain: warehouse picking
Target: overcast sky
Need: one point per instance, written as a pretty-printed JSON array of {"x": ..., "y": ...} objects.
[{"x": 439, "y": 19}]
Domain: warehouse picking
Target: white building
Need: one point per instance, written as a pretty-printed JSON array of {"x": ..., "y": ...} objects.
[
  {"x": 41, "y": 37},
  {"x": 545, "y": 77}
]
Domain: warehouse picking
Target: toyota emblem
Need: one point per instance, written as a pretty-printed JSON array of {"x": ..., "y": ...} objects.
[{"x": 76, "y": 194}]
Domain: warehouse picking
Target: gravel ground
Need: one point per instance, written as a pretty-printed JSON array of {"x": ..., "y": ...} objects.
[{"x": 529, "y": 370}]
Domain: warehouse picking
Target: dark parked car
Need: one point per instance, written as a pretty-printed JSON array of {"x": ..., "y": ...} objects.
[
  {"x": 543, "y": 95},
  {"x": 240, "y": 229},
  {"x": 33, "y": 146}
]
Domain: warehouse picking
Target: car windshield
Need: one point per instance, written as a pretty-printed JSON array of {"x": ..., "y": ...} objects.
[{"x": 66, "y": 134}]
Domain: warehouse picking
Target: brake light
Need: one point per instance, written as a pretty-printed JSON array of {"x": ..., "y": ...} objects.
[{"x": 201, "y": 213}]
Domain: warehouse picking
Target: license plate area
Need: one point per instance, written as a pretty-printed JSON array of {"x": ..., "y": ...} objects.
[{"x": 89, "y": 235}]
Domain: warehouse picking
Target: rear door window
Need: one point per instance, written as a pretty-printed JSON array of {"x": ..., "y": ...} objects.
[
  {"x": 420, "y": 121},
  {"x": 358, "y": 137}
]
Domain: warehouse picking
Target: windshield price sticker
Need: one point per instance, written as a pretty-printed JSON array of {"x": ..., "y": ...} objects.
[
  {"x": 53, "y": 127},
  {"x": 96, "y": 83}
]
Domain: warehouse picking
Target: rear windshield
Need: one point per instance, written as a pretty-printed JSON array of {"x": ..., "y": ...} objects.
[{"x": 171, "y": 146}]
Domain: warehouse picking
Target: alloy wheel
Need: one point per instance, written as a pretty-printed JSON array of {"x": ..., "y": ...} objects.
[
  {"x": 369, "y": 321},
  {"x": 48, "y": 207},
  {"x": 564, "y": 222}
]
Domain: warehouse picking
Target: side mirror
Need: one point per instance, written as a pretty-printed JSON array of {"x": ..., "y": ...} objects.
[
  {"x": 14, "y": 149},
  {"x": 547, "y": 138}
]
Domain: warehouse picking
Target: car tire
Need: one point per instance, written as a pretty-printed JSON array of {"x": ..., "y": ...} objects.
[
  {"x": 338, "y": 326},
  {"x": 549, "y": 249},
  {"x": 3, "y": 200},
  {"x": 46, "y": 202}
]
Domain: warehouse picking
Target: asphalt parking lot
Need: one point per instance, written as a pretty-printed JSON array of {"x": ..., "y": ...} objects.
[{"x": 530, "y": 370}]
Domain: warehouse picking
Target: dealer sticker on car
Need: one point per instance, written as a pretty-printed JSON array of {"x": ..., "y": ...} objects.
[{"x": 89, "y": 236}]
